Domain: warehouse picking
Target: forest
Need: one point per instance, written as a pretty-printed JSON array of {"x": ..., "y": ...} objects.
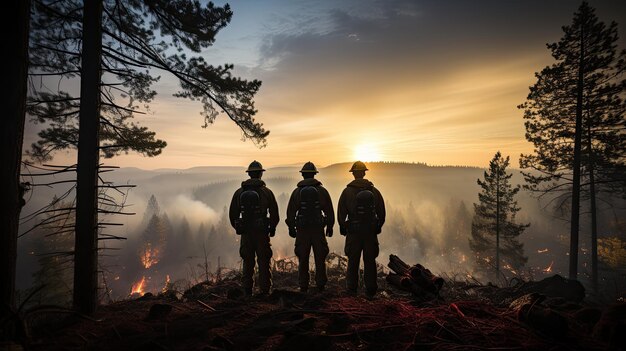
[
  {"x": 519, "y": 242},
  {"x": 431, "y": 208}
]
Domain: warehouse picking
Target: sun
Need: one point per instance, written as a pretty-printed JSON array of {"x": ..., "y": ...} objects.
[{"x": 366, "y": 152}]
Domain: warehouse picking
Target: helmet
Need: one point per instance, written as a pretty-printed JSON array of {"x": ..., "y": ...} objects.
[
  {"x": 358, "y": 166},
  {"x": 255, "y": 166},
  {"x": 309, "y": 167}
]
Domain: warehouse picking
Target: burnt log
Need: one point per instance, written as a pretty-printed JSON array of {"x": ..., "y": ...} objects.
[
  {"x": 426, "y": 279},
  {"x": 399, "y": 280},
  {"x": 416, "y": 279},
  {"x": 397, "y": 265}
]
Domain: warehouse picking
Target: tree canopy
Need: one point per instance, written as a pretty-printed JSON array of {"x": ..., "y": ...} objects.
[{"x": 139, "y": 40}]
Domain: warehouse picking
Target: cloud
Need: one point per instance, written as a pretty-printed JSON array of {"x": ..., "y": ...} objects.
[{"x": 430, "y": 81}]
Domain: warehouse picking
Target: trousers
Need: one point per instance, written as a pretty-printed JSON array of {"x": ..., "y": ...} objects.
[
  {"x": 367, "y": 244},
  {"x": 306, "y": 239},
  {"x": 256, "y": 244}
]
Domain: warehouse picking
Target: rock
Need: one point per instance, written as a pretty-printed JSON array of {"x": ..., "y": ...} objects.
[
  {"x": 531, "y": 311},
  {"x": 611, "y": 327},
  {"x": 557, "y": 286},
  {"x": 159, "y": 311}
]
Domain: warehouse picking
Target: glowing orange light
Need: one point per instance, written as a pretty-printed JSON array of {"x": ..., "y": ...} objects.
[
  {"x": 542, "y": 251},
  {"x": 549, "y": 268},
  {"x": 167, "y": 283},
  {"x": 367, "y": 152},
  {"x": 138, "y": 287},
  {"x": 150, "y": 256}
]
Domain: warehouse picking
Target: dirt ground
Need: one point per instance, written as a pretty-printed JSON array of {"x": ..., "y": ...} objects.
[{"x": 215, "y": 316}]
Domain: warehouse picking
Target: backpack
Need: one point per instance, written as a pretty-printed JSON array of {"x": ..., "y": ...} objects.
[
  {"x": 366, "y": 219},
  {"x": 250, "y": 211},
  {"x": 310, "y": 212}
]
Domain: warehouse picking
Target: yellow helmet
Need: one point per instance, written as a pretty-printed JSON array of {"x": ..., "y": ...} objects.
[
  {"x": 358, "y": 166},
  {"x": 255, "y": 166},
  {"x": 309, "y": 167}
]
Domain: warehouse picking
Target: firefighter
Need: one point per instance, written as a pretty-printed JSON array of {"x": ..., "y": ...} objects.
[
  {"x": 310, "y": 209},
  {"x": 254, "y": 215},
  {"x": 361, "y": 215}
]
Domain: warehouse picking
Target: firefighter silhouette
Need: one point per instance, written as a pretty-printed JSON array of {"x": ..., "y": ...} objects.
[
  {"x": 254, "y": 215},
  {"x": 361, "y": 215},
  {"x": 310, "y": 209}
]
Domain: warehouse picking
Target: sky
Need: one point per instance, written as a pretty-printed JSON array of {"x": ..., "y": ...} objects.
[{"x": 413, "y": 81}]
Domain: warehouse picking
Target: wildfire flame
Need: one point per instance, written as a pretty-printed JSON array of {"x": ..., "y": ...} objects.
[
  {"x": 150, "y": 256},
  {"x": 138, "y": 287},
  {"x": 549, "y": 268},
  {"x": 167, "y": 283}
]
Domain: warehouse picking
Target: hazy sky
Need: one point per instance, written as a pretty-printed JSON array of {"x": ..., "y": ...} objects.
[{"x": 425, "y": 81}]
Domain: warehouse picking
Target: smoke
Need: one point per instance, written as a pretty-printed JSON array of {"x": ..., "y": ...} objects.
[
  {"x": 429, "y": 216},
  {"x": 194, "y": 211}
]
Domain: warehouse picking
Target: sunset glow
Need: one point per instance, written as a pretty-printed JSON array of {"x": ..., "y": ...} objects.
[
  {"x": 337, "y": 76},
  {"x": 367, "y": 153}
]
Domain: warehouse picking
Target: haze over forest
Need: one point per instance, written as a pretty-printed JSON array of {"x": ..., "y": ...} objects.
[
  {"x": 430, "y": 210},
  {"x": 392, "y": 83}
]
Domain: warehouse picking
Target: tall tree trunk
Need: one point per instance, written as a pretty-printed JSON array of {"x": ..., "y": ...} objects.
[
  {"x": 497, "y": 226},
  {"x": 573, "y": 248},
  {"x": 86, "y": 246},
  {"x": 594, "y": 222},
  {"x": 16, "y": 18}
]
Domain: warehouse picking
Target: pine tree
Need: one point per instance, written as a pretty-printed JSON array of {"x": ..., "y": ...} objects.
[
  {"x": 152, "y": 208},
  {"x": 153, "y": 242},
  {"x": 115, "y": 48},
  {"x": 494, "y": 235},
  {"x": 575, "y": 117}
]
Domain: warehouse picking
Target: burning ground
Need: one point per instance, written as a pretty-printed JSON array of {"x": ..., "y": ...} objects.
[{"x": 214, "y": 315}]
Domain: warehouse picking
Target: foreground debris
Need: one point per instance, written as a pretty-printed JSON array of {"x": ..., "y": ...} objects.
[
  {"x": 418, "y": 280},
  {"x": 217, "y": 316}
]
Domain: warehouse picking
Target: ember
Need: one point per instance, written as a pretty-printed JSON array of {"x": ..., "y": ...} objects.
[
  {"x": 542, "y": 250},
  {"x": 167, "y": 285},
  {"x": 549, "y": 268}
]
